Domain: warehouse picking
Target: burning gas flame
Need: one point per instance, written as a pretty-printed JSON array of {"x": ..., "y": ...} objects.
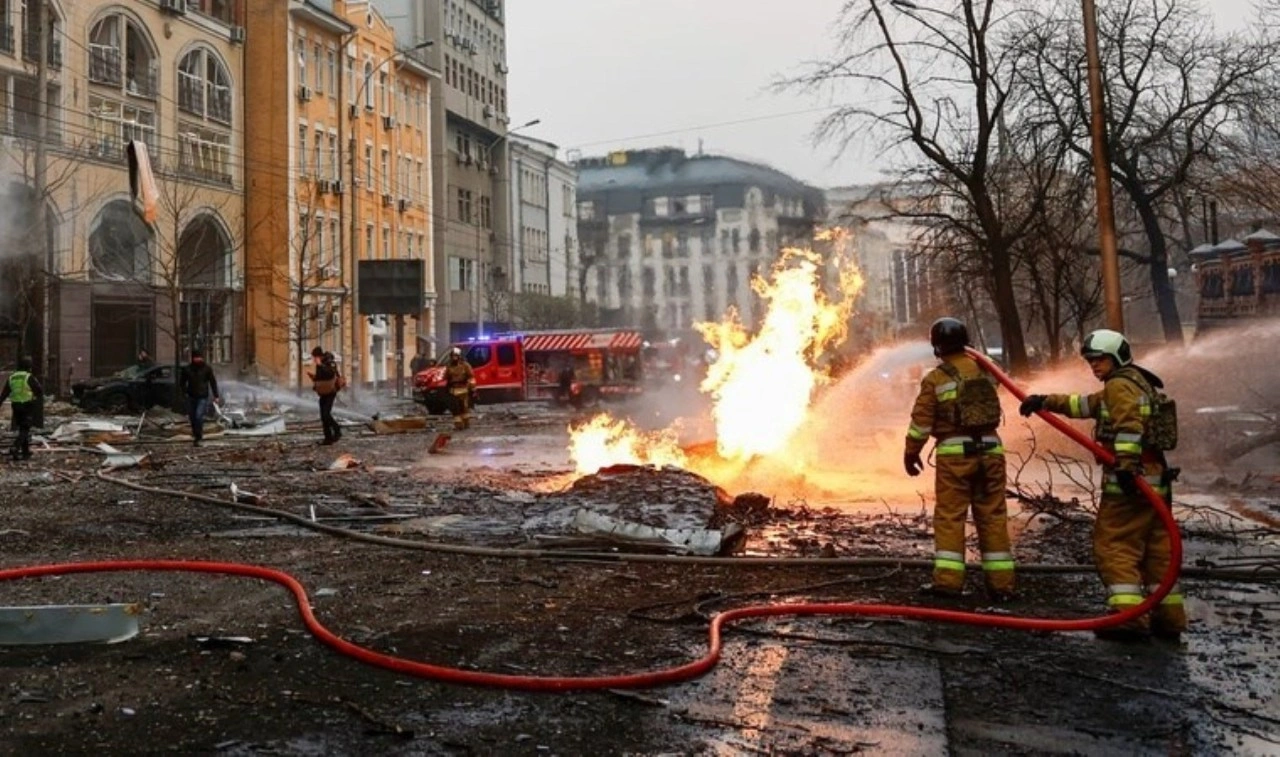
[
  {"x": 762, "y": 382},
  {"x": 604, "y": 441}
]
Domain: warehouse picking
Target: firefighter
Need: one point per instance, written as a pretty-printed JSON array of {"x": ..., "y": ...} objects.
[
  {"x": 24, "y": 393},
  {"x": 461, "y": 383},
  {"x": 958, "y": 406},
  {"x": 1130, "y": 543}
]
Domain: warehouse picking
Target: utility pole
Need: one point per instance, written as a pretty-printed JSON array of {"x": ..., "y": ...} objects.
[
  {"x": 44, "y": 252},
  {"x": 1102, "y": 175}
]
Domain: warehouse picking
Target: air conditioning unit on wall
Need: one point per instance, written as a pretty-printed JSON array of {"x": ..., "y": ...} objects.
[{"x": 304, "y": 93}]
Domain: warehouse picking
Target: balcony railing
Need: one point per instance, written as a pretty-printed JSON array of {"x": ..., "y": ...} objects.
[
  {"x": 6, "y": 39},
  {"x": 190, "y": 94},
  {"x": 145, "y": 82},
  {"x": 31, "y": 50}
]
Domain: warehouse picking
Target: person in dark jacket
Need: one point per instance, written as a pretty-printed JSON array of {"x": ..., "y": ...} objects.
[
  {"x": 25, "y": 393},
  {"x": 327, "y": 382},
  {"x": 200, "y": 386}
]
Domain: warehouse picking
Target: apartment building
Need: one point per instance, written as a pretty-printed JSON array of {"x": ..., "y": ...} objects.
[
  {"x": 89, "y": 275},
  {"x": 544, "y": 225},
  {"x": 339, "y": 172},
  {"x": 670, "y": 239},
  {"x": 470, "y": 127}
]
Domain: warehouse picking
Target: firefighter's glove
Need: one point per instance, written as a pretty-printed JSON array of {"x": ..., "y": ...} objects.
[
  {"x": 1127, "y": 480},
  {"x": 1034, "y": 403},
  {"x": 912, "y": 463}
]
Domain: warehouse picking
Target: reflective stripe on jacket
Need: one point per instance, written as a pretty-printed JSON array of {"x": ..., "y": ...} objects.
[{"x": 1121, "y": 411}]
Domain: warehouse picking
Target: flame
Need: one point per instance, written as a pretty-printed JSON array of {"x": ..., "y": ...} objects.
[
  {"x": 762, "y": 382},
  {"x": 605, "y": 441}
]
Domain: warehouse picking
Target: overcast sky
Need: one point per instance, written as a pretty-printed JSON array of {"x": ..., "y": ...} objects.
[{"x": 613, "y": 74}]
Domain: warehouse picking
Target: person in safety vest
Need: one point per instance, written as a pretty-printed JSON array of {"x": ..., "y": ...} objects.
[
  {"x": 958, "y": 406},
  {"x": 461, "y": 382},
  {"x": 24, "y": 392},
  {"x": 1130, "y": 543}
]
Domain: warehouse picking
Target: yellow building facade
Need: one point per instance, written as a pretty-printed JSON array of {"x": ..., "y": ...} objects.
[
  {"x": 103, "y": 278},
  {"x": 338, "y": 170}
]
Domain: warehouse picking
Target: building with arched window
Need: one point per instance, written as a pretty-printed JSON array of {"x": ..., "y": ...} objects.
[{"x": 111, "y": 274}]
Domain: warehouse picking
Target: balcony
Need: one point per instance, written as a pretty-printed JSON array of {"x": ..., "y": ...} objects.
[
  {"x": 6, "y": 39},
  {"x": 31, "y": 49}
]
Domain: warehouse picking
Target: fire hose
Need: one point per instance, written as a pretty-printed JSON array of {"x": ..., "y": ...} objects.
[{"x": 687, "y": 671}]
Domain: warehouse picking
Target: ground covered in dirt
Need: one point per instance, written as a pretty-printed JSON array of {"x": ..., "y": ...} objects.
[{"x": 224, "y": 666}]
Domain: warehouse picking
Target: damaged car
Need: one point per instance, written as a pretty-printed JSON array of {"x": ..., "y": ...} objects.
[{"x": 131, "y": 390}]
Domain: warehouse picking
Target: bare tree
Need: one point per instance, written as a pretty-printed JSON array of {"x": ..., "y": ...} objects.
[
  {"x": 937, "y": 82},
  {"x": 307, "y": 292},
  {"x": 191, "y": 272},
  {"x": 1173, "y": 88},
  {"x": 543, "y": 311}
]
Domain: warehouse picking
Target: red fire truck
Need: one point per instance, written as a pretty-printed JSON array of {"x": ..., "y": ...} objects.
[{"x": 578, "y": 367}]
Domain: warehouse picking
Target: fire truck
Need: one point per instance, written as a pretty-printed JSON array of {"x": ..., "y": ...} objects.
[{"x": 579, "y": 367}]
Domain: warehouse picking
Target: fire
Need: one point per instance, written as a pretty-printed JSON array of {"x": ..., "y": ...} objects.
[
  {"x": 761, "y": 382},
  {"x": 604, "y": 441}
]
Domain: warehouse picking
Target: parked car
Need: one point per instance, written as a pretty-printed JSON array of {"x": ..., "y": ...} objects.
[{"x": 131, "y": 390}]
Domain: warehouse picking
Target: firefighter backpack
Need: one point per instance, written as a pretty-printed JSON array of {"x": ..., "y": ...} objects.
[
  {"x": 977, "y": 405},
  {"x": 1160, "y": 432}
]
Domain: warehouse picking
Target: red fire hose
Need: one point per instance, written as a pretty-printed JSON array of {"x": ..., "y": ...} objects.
[{"x": 682, "y": 672}]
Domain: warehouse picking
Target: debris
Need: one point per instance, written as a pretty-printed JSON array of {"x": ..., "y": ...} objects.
[
  {"x": 68, "y": 624},
  {"x": 90, "y": 432},
  {"x": 344, "y": 462},
  {"x": 398, "y": 425},
  {"x": 698, "y": 541},
  {"x": 266, "y": 427},
  {"x": 216, "y": 642},
  {"x": 246, "y": 497},
  {"x": 380, "y": 501},
  {"x": 117, "y": 460},
  {"x": 326, "y": 593},
  {"x": 438, "y": 445}
]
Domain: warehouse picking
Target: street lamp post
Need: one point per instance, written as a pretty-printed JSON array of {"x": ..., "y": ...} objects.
[
  {"x": 1102, "y": 175},
  {"x": 354, "y": 232},
  {"x": 488, "y": 155}
]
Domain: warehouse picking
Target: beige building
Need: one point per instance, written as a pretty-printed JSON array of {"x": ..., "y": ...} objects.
[{"x": 109, "y": 276}]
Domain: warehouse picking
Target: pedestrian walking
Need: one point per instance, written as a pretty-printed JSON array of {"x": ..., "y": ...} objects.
[
  {"x": 327, "y": 381},
  {"x": 1138, "y": 423},
  {"x": 200, "y": 386},
  {"x": 958, "y": 406},
  {"x": 24, "y": 394}
]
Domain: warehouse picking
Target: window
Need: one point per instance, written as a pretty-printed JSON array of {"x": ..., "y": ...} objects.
[
  {"x": 486, "y": 212},
  {"x": 368, "y": 166},
  {"x": 461, "y": 274},
  {"x": 753, "y": 240},
  {"x": 369, "y": 251},
  {"x": 335, "y": 160},
  {"x": 387, "y": 252},
  {"x": 693, "y": 205},
  {"x": 351, "y": 79},
  {"x": 317, "y": 69},
  {"x": 386, "y": 172},
  {"x": 422, "y": 246},
  {"x": 331, "y": 68},
  {"x": 737, "y": 241},
  {"x": 648, "y": 282},
  {"x": 120, "y": 243},
  {"x": 682, "y": 244},
  {"x": 624, "y": 247},
  {"x": 368, "y": 91},
  {"x": 204, "y": 152},
  {"x": 317, "y": 255},
  {"x": 114, "y": 124},
  {"x": 317, "y": 152},
  {"x": 506, "y": 354},
  {"x": 661, "y": 206},
  {"x": 479, "y": 354},
  {"x": 335, "y": 260},
  {"x": 300, "y": 60},
  {"x": 204, "y": 86},
  {"x": 586, "y": 210},
  {"x": 463, "y": 204},
  {"x": 121, "y": 56},
  {"x": 302, "y": 150}
]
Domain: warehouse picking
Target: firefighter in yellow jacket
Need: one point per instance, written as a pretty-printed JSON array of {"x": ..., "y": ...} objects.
[
  {"x": 460, "y": 380},
  {"x": 958, "y": 406},
  {"x": 1130, "y": 544}
]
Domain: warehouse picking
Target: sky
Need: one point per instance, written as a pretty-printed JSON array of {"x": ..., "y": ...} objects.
[{"x": 614, "y": 74}]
